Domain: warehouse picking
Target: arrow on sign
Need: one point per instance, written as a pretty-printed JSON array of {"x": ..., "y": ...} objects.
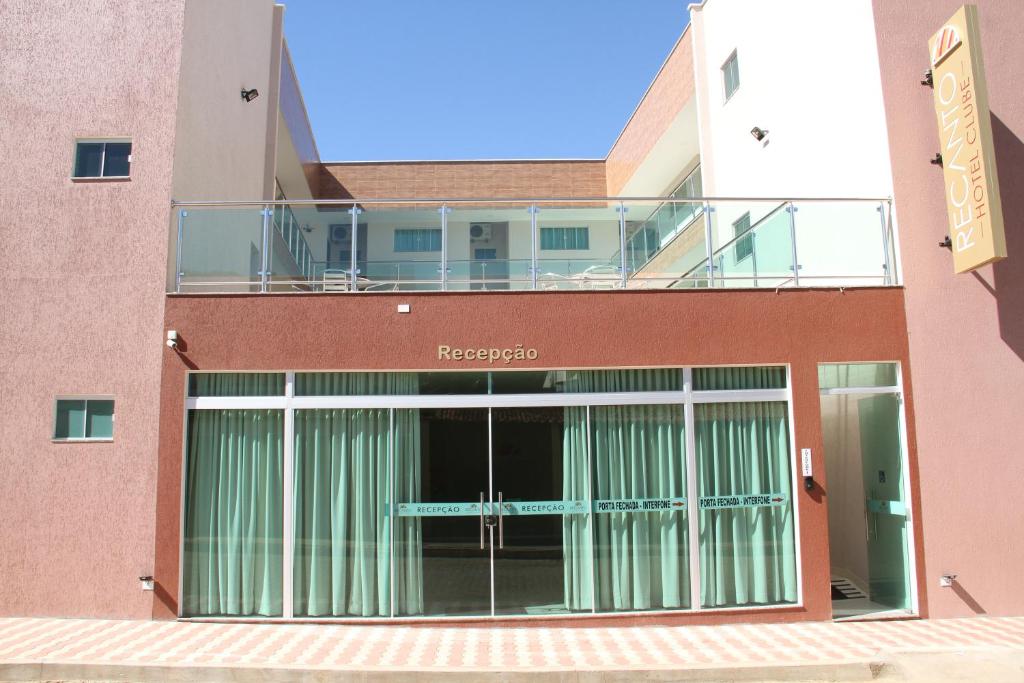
[
  {"x": 777, "y": 500},
  {"x": 677, "y": 504}
]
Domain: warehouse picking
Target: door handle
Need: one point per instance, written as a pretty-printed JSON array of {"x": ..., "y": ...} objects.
[
  {"x": 481, "y": 520},
  {"x": 501, "y": 524}
]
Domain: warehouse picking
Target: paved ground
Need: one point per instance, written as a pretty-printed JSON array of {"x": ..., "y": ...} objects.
[{"x": 978, "y": 649}]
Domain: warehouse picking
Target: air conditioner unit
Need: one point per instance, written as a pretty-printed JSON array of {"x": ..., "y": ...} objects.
[
  {"x": 341, "y": 233},
  {"x": 480, "y": 232}
]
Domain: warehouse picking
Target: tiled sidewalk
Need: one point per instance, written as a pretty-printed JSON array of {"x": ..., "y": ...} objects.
[{"x": 480, "y": 648}]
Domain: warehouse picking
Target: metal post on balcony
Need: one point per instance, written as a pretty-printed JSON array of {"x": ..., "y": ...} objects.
[
  {"x": 709, "y": 247},
  {"x": 354, "y": 250},
  {"x": 533, "y": 246},
  {"x": 791, "y": 210},
  {"x": 885, "y": 218},
  {"x": 182, "y": 214},
  {"x": 622, "y": 243},
  {"x": 265, "y": 271},
  {"x": 444, "y": 210},
  {"x": 753, "y": 255}
]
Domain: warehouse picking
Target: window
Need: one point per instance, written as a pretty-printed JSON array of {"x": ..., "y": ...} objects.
[
  {"x": 102, "y": 158},
  {"x": 564, "y": 239},
  {"x": 417, "y": 239},
  {"x": 84, "y": 418},
  {"x": 743, "y": 247},
  {"x": 731, "y": 75}
]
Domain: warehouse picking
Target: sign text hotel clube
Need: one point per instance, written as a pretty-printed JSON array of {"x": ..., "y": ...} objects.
[
  {"x": 490, "y": 355},
  {"x": 965, "y": 133}
]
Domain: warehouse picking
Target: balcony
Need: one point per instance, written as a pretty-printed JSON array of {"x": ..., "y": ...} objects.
[{"x": 366, "y": 246}]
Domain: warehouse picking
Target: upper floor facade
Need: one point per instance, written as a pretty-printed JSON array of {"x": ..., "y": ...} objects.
[{"x": 745, "y": 164}]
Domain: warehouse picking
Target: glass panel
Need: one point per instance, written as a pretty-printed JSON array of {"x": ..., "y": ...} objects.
[
  {"x": 753, "y": 377},
  {"x": 70, "y": 422},
  {"x": 342, "y": 530},
  {"x": 441, "y": 471},
  {"x": 489, "y": 247},
  {"x": 868, "y": 535},
  {"x": 665, "y": 240},
  {"x": 221, "y": 249},
  {"x": 542, "y": 552},
  {"x": 100, "y": 422},
  {"x": 116, "y": 162},
  {"x": 88, "y": 159},
  {"x": 302, "y": 238},
  {"x": 388, "y": 268},
  {"x": 757, "y": 246},
  {"x": 846, "y": 375},
  {"x": 232, "y": 564},
  {"x": 840, "y": 243},
  {"x": 593, "y": 263},
  {"x": 236, "y": 384},
  {"x": 642, "y": 558},
  {"x": 747, "y": 547}
]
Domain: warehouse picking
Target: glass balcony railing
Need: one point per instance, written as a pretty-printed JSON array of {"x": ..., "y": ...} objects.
[{"x": 504, "y": 245}]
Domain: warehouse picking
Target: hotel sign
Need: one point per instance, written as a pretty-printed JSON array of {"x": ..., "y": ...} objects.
[{"x": 965, "y": 132}]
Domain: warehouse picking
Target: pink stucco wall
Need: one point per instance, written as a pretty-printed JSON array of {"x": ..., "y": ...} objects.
[
  {"x": 966, "y": 331},
  {"x": 81, "y": 272}
]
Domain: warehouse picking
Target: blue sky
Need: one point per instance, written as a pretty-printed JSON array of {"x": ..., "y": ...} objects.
[{"x": 472, "y": 79}]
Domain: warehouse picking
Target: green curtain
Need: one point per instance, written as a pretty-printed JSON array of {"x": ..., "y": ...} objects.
[
  {"x": 236, "y": 384},
  {"x": 640, "y": 558},
  {"x": 576, "y": 547},
  {"x": 752, "y": 377},
  {"x": 747, "y": 553},
  {"x": 342, "y": 530},
  {"x": 232, "y": 563}
]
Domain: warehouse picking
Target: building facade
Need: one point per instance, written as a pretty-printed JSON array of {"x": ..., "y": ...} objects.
[{"x": 702, "y": 379}]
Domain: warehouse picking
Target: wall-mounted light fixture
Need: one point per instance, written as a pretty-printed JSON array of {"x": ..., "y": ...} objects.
[
  {"x": 758, "y": 133},
  {"x": 172, "y": 339},
  {"x": 936, "y": 160},
  {"x": 250, "y": 95}
]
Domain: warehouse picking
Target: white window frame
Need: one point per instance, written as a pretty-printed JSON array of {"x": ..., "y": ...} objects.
[
  {"x": 684, "y": 399},
  {"x": 103, "y": 158},
  {"x": 82, "y": 439},
  {"x": 731, "y": 59}
]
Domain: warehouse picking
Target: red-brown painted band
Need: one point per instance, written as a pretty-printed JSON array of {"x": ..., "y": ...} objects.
[{"x": 569, "y": 329}]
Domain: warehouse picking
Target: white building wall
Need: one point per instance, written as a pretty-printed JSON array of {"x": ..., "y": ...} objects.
[{"x": 809, "y": 75}]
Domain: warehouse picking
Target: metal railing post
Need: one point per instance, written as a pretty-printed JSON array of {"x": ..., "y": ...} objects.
[
  {"x": 753, "y": 255},
  {"x": 182, "y": 214},
  {"x": 622, "y": 243},
  {"x": 708, "y": 245},
  {"x": 885, "y": 219},
  {"x": 354, "y": 249},
  {"x": 265, "y": 271},
  {"x": 533, "y": 245},
  {"x": 444, "y": 246},
  {"x": 791, "y": 210}
]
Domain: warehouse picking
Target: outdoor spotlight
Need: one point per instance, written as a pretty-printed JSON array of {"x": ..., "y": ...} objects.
[
  {"x": 758, "y": 133},
  {"x": 936, "y": 160},
  {"x": 926, "y": 79},
  {"x": 250, "y": 95}
]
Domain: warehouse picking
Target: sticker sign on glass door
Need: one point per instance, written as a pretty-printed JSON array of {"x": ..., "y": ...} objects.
[
  {"x": 439, "y": 509},
  {"x": 640, "y": 505},
  {"x": 748, "y": 501}
]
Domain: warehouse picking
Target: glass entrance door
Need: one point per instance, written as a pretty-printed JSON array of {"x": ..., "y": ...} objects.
[
  {"x": 542, "y": 552},
  {"x": 443, "y": 526},
  {"x": 869, "y": 528},
  {"x": 496, "y": 516}
]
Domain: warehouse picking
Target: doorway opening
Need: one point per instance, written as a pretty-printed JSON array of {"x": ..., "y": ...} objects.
[{"x": 870, "y": 545}]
